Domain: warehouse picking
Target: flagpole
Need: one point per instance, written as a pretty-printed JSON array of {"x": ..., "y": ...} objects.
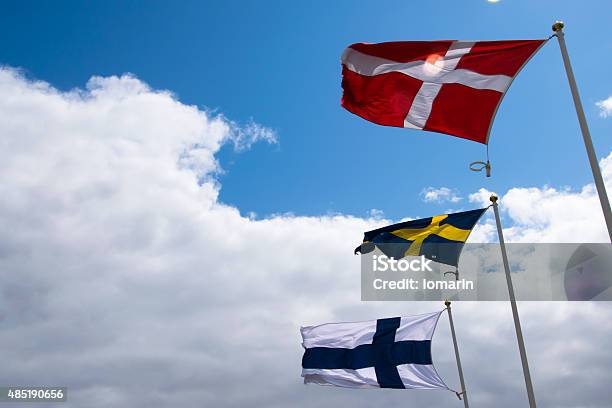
[
  {"x": 452, "y": 327},
  {"x": 586, "y": 135},
  {"x": 515, "y": 315}
]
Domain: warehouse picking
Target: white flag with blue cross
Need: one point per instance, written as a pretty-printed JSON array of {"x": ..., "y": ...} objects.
[{"x": 383, "y": 353}]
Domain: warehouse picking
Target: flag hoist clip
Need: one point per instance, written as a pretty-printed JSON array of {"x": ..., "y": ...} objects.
[
  {"x": 479, "y": 166},
  {"x": 455, "y": 272}
]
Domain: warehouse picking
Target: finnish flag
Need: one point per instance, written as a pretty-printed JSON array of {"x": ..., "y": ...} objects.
[{"x": 383, "y": 353}]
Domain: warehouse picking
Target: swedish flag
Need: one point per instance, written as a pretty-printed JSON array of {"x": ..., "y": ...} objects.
[{"x": 440, "y": 238}]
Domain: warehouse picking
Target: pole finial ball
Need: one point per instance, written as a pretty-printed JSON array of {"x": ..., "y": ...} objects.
[
  {"x": 558, "y": 26},
  {"x": 447, "y": 303},
  {"x": 493, "y": 198}
]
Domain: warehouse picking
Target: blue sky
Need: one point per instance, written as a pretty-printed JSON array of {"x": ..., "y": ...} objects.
[{"x": 278, "y": 63}]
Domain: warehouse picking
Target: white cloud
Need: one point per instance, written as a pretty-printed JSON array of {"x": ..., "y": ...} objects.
[
  {"x": 554, "y": 215},
  {"x": 125, "y": 279},
  {"x": 549, "y": 214},
  {"x": 440, "y": 195},
  {"x": 605, "y": 107},
  {"x": 481, "y": 197},
  {"x": 244, "y": 136}
]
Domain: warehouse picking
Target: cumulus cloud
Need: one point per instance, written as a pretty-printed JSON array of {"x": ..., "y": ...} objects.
[
  {"x": 605, "y": 107},
  {"x": 125, "y": 279},
  {"x": 548, "y": 214},
  {"x": 554, "y": 215},
  {"x": 481, "y": 197},
  {"x": 440, "y": 195}
]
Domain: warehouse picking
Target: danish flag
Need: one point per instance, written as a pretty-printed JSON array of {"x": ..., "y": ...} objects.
[{"x": 452, "y": 87}]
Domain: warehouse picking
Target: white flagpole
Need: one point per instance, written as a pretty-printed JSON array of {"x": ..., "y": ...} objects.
[
  {"x": 586, "y": 135},
  {"x": 515, "y": 315},
  {"x": 452, "y": 326}
]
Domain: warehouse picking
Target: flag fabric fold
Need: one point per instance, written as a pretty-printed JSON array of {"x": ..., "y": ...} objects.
[
  {"x": 383, "y": 353},
  {"x": 452, "y": 87},
  {"x": 440, "y": 238}
]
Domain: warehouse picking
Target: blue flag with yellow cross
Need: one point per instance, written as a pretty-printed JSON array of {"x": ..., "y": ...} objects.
[{"x": 440, "y": 238}]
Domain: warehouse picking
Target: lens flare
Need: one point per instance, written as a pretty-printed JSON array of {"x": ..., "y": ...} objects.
[{"x": 433, "y": 64}]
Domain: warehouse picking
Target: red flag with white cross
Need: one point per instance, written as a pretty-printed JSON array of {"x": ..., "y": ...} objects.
[{"x": 452, "y": 87}]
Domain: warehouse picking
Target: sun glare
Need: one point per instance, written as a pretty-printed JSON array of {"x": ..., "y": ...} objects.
[{"x": 433, "y": 64}]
